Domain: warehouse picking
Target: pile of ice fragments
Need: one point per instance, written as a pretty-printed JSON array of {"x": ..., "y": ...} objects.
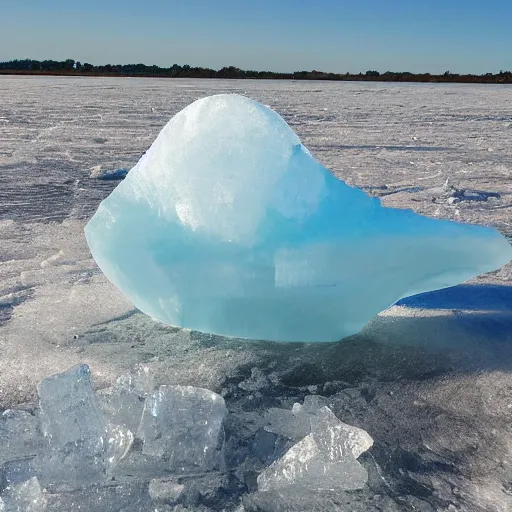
[{"x": 135, "y": 447}]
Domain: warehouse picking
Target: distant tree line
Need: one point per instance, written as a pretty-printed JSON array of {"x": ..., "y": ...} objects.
[{"x": 72, "y": 67}]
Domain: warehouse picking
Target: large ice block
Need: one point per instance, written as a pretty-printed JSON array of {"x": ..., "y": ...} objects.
[{"x": 229, "y": 225}]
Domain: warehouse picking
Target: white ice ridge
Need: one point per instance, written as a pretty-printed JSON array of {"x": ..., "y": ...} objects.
[{"x": 229, "y": 225}]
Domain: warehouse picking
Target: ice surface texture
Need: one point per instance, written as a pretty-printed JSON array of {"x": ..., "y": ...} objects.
[{"x": 229, "y": 225}]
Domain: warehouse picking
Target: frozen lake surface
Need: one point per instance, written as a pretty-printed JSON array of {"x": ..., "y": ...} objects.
[{"x": 429, "y": 379}]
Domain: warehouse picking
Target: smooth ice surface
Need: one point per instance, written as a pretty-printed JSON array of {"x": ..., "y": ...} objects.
[
  {"x": 229, "y": 225},
  {"x": 183, "y": 426}
]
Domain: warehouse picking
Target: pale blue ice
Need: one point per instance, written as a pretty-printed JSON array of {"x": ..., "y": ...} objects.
[{"x": 229, "y": 225}]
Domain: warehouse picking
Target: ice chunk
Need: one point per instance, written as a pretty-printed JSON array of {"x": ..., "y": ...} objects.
[
  {"x": 19, "y": 435},
  {"x": 119, "y": 441},
  {"x": 122, "y": 408},
  {"x": 337, "y": 439},
  {"x": 165, "y": 491},
  {"x": 20, "y": 470},
  {"x": 74, "y": 428},
  {"x": 24, "y": 497},
  {"x": 305, "y": 464},
  {"x": 229, "y": 225},
  {"x": 108, "y": 174},
  {"x": 141, "y": 381},
  {"x": 183, "y": 425},
  {"x": 324, "y": 459},
  {"x": 312, "y": 403},
  {"x": 294, "y": 424},
  {"x": 124, "y": 405}
]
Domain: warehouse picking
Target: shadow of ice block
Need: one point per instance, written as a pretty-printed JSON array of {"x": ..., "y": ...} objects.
[
  {"x": 74, "y": 429},
  {"x": 183, "y": 427}
]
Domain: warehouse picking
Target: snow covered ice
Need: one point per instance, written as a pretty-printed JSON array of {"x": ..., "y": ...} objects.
[{"x": 229, "y": 225}]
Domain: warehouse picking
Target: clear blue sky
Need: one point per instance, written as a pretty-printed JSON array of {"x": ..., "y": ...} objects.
[{"x": 278, "y": 35}]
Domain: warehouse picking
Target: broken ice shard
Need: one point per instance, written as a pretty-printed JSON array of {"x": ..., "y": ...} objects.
[
  {"x": 123, "y": 406},
  {"x": 183, "y": 426},
  {"x": 24, "y": 497},
  {"x": 19, "y": 435},
  {"x": 229, "y": 225},
  {"x": 74, "y": 428},
  {"x": 323, "y": 460}
]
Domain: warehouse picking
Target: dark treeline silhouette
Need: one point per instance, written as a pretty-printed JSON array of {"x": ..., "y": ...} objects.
[{"x": 71, "y": 67}]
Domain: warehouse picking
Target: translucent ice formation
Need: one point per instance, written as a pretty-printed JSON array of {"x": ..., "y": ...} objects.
[
  {"x": 18, "y": 435},
  {"x": 26, "y": 497},
  {"x": 183, "y": 426},
  {"x": 324, "y": 459},
  {"x": 131, "y": 447},
  {"x": 72, "y": 423},
  {"x": 229, "y": 225}
]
